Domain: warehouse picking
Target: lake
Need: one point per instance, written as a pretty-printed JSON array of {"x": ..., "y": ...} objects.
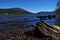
[{"x": 7, "y": 20}]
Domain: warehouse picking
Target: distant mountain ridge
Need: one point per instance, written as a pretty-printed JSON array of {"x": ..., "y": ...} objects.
[
  {"x": 14, "y": 10},
  {"x": 45, "y": 12}
]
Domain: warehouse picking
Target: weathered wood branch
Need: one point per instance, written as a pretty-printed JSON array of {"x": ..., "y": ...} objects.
[{"x": 47, "y": 29}]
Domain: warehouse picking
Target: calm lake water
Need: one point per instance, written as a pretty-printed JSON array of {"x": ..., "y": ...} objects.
[{"x": 23, "y": 19}]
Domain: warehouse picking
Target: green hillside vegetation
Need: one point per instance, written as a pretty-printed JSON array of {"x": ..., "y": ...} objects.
[{"x": 13, "y": 11}]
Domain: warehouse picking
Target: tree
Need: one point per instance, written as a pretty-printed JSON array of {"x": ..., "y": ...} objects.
[{"x": 58, "y": 10}]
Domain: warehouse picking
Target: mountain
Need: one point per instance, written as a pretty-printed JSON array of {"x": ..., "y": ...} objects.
[
  {"x": 14, "y": 10},
  {"x": 46, "y": 13}
]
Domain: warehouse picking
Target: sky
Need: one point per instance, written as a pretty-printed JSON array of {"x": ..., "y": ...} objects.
[{"x": 30, "y": 5}]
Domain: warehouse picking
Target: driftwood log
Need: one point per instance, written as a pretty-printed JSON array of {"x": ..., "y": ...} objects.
[{"x": 47, "y": 29}]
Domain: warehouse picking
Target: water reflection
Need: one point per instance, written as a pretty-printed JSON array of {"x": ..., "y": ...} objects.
[{"x": 24, "y": 19}]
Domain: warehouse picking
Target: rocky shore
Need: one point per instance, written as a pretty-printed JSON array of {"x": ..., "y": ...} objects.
[
  {"x": 29, "y": 32},
  {"x": 19, "y": 33},
  {"x": 16, "y": 33}
]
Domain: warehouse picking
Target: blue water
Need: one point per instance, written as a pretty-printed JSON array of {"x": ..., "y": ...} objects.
[{"x": 23, "y": 19}]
